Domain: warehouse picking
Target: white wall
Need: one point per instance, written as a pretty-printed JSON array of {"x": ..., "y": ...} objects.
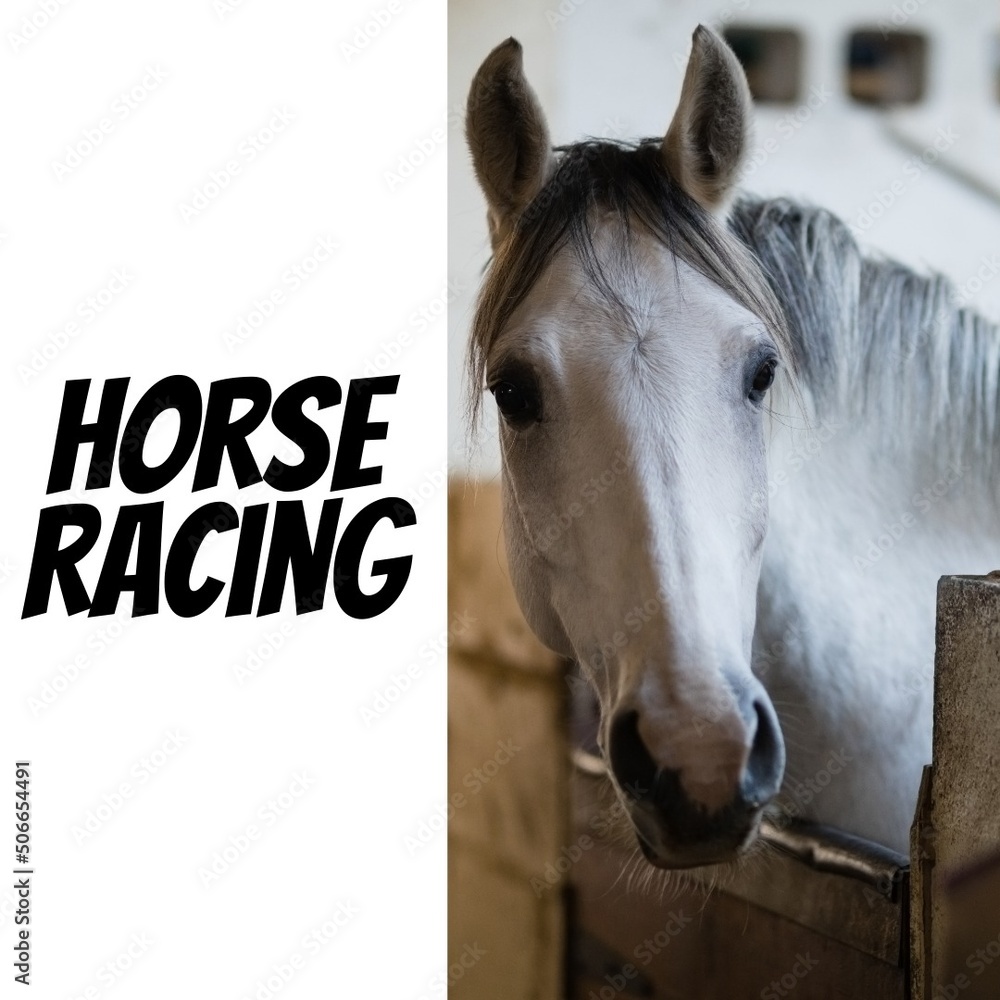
[{"x": 615, "y": 68}]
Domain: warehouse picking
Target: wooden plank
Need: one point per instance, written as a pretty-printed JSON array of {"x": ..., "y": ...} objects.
[
  {"x": 688, "y": 945},
  {"x": 774, "y": 923},
  {"x": 965, "y": 783},
  {"x": 866, "y": 911}
]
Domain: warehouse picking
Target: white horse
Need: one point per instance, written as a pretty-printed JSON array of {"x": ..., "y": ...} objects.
[{"x": 719, "y": 552}]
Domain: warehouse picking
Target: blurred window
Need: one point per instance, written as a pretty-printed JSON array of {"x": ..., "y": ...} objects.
[
  {"x": 772, "y": 59},
  {"x": 886, "y": 67}
]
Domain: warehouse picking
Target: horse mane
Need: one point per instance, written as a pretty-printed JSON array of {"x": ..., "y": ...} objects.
[
  {"x": 866, "y": 339},
  {"x": 628, "y": 180},
  {"x": 876, "y": 342}
]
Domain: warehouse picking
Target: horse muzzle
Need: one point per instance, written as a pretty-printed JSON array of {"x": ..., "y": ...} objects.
[{"x": 675, "y": 825}]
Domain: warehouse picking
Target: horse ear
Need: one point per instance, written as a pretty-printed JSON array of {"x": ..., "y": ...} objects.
[
  {"x": 507, "y": 136},
  {"x": 709, "y": 136}
]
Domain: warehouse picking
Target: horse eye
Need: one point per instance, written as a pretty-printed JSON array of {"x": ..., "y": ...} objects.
[
  {"x": 763, "y": 379},
  {"x": 514, "y": 402}
]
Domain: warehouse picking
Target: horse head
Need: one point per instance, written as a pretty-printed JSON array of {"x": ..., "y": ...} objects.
[{"x": 630, "y": 340}]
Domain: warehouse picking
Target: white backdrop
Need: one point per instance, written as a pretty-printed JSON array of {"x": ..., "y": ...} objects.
[{"x": 235, "y": 807}]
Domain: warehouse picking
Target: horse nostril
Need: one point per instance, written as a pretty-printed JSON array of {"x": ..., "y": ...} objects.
[
  {"x": 630, "y": 761},
  {"x": 766, "y": 763}
]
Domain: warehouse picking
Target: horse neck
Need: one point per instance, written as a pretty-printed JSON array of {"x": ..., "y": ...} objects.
[
  {"x": 917, "y": 388},
  {"x": 886, "y": 358}
]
